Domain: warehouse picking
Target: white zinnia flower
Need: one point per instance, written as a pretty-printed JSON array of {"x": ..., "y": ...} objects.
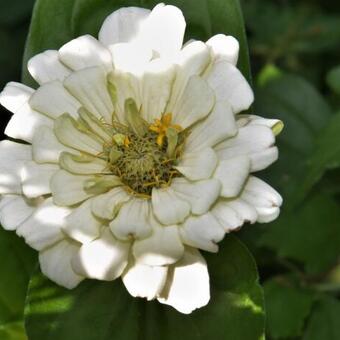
[{"x": 135, "y": 157}]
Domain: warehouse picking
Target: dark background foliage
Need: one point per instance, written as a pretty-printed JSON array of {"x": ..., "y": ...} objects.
[{"x": 295, "y": 59}]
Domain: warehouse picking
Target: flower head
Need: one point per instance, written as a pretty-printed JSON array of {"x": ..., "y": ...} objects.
[{"x": 136, "y": 157}]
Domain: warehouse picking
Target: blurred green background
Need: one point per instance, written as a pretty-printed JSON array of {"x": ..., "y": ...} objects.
[{"x": 295, "y": 59}]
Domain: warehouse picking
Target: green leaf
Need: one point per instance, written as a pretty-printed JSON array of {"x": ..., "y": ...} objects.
[
  {"x": 309, "y": 234},
  {"x": 304, "y": 113},
  {"x": 325, "y": 320},
  {"x": 325, "y": 156},
  {"x": 287, "y": 308},
  {"x": 333, "y": 79},
  {"x": 55, "y": 22},
  {"x": 104, "y": 310},
  {"x": 16, "y": 264}
]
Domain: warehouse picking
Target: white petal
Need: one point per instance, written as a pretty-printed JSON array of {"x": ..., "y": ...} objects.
[
  {"x": 232, "y": 173},
  {"x": 84, "y": 52},
  {"x": 14, "y": 210},
  {"x": 53, "y": 100},
  {"x": 130, "y": 57},
  {"x": 229, "y": 84},
  {"x": 275, "y": 125},
  {"x": 218, "y": 126},
  {"x": 46, "y": 67},
  {"x": 25, "y": 123},
  {"x": 192, "y": 60},
  {"x": 55, "y": 263},
  {"x": 188, "y": 283},
  {"x": 133, "y": 219},
  {"x": 107, "y": 205},
  {"x": 163, "y": 31},
  {"x": 89, "y": 86},
  {"x": 255, "y": 141},
  {"x": 103, "y": 259},
  {"x": 35, "y": 178},
  {"x": 168, "y": 207},
  {"x": 82, "y": 165},
  {"x": 196, "y": 103},
  {"x": 202, "y": 232},
  {"x": 232, "y": 214},
  {"x": 201, "y": 195},
  {"x": 161, "y": 248},
  {"x": 263, "y": 198},
  {"x": 156, "y": 88},
  {"x": 43, "y": 228},
  {"x": 198, "y": 165},
  {"x": 13, "y": 156},
  {"x": 14, "y": 96},
  {"x": 70, "y": 134},
  {"x": 122, "y": 25},
  {"x": 81, "y": 224},
  {"x": 144, "y": 281},
  {"x": 68, "y": 189},
  {"x": 224, "y": 48},
  {"x": 46, "y": 148}
]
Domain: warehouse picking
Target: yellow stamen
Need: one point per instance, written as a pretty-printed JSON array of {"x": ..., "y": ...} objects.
[
  {"x": 127, "y": 141},
  {"x": 160, "y": 127}
]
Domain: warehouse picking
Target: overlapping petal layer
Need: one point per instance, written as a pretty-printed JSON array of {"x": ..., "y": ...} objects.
[{"x": 64, "y": 192}]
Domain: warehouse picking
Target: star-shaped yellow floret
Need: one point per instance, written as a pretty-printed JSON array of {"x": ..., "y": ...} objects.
[{"x": 160, "y": 126}]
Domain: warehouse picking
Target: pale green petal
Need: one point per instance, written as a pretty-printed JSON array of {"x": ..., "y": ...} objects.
[
  {"x": 70, "y": 134},
  {"x": 89, "y": 87},
  {"x": 46, "y": 148},
  {"x": 82, "y": 165}
]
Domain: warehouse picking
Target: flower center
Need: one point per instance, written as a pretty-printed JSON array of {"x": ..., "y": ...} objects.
[
  {"x": 144, "y": 155},
  {"x": 141, "y": 163}
]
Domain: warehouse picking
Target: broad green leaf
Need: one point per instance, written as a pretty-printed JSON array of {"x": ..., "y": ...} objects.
[
  {"x": 333, "y": 79},
  {"x": 104, "y": 310},
  {"x": 304, "y": 113},
  {"x": 325, "y": 320},
  {"x": 16, "y": 264},
  {"x": 309, "y": 234},
  {"x": 287, "y": 308},
  {"x": 325, "y": 156},
  {"x": 55, "y": 22}
]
